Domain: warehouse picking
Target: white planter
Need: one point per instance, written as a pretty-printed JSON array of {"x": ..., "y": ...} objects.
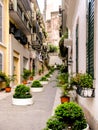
[
  {"x": 48, "y": 78},
  {"x": 25, "y": 101},
  {"x": 40, "y": 89},
  {"x": 44, "y": 82},
  {"x": 87, "y": 128}
]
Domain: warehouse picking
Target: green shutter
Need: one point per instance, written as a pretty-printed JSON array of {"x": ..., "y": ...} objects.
[
  {"x": 90, "y": 43},
  {"x": 77, "y": 48}
]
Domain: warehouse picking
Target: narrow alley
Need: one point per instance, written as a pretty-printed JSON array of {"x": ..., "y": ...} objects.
[{"x": 31, "y": 117}]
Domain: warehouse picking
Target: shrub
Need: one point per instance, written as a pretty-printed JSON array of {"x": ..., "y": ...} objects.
[
  {"x": 26, "y": 73},
  {"x": 72, "y": 115},
  {"x": 43, "y": 79},
  {"x": 22, "y": 91},
  {"x": 36, "y": 84},
  {"x": 53, "y": 123}
]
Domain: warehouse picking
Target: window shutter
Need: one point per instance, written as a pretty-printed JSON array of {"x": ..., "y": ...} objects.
[{"x": 90, "y": 43}]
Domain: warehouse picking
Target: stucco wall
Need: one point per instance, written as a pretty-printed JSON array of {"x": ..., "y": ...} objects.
[{"x": 90, "y": 105}]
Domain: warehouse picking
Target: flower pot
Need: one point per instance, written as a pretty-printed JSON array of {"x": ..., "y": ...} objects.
[
  {"x": 24, "y": 81},
  {"x": 23, "y": 101},
  {"x": 8, "y": 89},
  {"x": 44, "y": 82},
  {"x": 31, "y": 78},
  {"x": 87, "y": 128},
  {"x": 35, "y": 89},
  {"x": 64, "y": 99}
]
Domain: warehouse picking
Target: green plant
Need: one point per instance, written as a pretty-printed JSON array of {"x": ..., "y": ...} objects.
[
  {"x": 26, "y": 74},
  {"x": 47, "y": 75},
  {"x": 22, "y": 91},
  {"x": 52, "y": 48},
  {"x": 71, "y": 115},
  {"x": 82, "y": 80},
  {"x": 2, "y": 76},
  {"x": 44, "y": 78},
  {"x": 39, "y": 71},
  {"x": 36, "y": 84},
  {"x": 10, "y": 78},
  {"x": 86, "y": 81},
  {"x": 54, "y": 123}
]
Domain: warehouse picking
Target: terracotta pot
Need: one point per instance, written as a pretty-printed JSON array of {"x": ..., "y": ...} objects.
[
  {"x": 8, "y": 89},
  {"x": 31, "y": 78},
  {"x": 65, "y": 99},
  {"x": 24, "y": 81}
]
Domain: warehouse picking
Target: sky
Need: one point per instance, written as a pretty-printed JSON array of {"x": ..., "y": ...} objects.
[{"x": 56, "y": 4}]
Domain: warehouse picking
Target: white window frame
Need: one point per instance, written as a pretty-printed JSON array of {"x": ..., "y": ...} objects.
[{"x": 1, "y": 42}]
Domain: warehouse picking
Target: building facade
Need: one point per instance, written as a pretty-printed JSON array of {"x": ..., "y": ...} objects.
[
  {"x": 22, "y": 33},
  {"x": 82, "y": 22}
]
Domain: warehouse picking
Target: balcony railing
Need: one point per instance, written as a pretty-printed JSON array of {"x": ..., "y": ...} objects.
[{"x": 20, "y": 17}]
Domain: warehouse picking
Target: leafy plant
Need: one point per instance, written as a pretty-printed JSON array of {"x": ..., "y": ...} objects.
[
  {"x": 44, "y": 78},
  {"x": 2, "y": 76},
  {"x": 52, "y": 48},
  {"x": 72, "y": 115},
  {"x": 86, "y": 81},
  {"x": 10, "y": 78},
  {"x": 36, "y": 84},
  {"x": 82, "y": 80},
  {"x": 26, "y": 74},
  {"x": 54, "y": 123},
  {"x": 22, "y": 91}
]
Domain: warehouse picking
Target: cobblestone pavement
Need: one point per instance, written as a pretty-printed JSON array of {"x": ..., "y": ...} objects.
[{"x": 31, "y": 117}]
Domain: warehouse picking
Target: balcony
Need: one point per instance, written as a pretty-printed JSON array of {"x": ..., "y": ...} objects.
[
  {"x": 36, "y": 46},
  {"x": 19, "y": 17}
]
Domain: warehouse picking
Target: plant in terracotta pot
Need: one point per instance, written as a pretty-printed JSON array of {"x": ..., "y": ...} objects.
[
  {"x": 9, "y": 79},
  {"x": 32, "y": 74},
  {"x": 25, "y": 75}
]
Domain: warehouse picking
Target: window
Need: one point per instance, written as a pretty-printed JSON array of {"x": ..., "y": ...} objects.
[
  {"x": 0, "y": 61},
  {"x": 0, "y": 22},
  {"x": 90, "y": 39}
]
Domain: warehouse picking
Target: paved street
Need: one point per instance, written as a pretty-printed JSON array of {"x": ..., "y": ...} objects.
[{"x": 31, "y": 117}]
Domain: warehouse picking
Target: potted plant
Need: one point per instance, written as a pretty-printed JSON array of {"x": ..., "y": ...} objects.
[
  {"x": 2, "y": 80},
  {"x": 84, "y": 83},
  {"x": 25, "y": 75},
  {"x": 67, "y": 116},
  {"x": 32, "y": 74},
  {"x": 71, "y": 115},
  {"x": 9, "y": 79},
  {"x": 65, "y": 87},
  {"x": 36, "y": 86},
  {"x": 22, "y": 95},
  {"x": 43, "y": 80}
]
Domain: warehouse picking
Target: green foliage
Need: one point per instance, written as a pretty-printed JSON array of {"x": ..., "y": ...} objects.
[
  {"x": 36, "y": 84},
  {"x": 2, "y": 76},
  {"x": 72, "y": 115},
  {"x": 9, "y": 79},
  {"x": 47, "y": 75},
  {"x": 44, "y": 78},
  {"x": 53, "y": 123},
  {"x": 52, "y": 48},
  {"x": 26, "y": 74},
  {"x": 22, "y": 91},
  {"x": 86, "y": 81},
  {"x": 62, "y": 78},
  {"x": 82, "y": 80}
]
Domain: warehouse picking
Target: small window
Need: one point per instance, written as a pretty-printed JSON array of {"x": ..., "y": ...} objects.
[
  {"x": 0, "y": 23},
  {"x": 0, "y": 62}
]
